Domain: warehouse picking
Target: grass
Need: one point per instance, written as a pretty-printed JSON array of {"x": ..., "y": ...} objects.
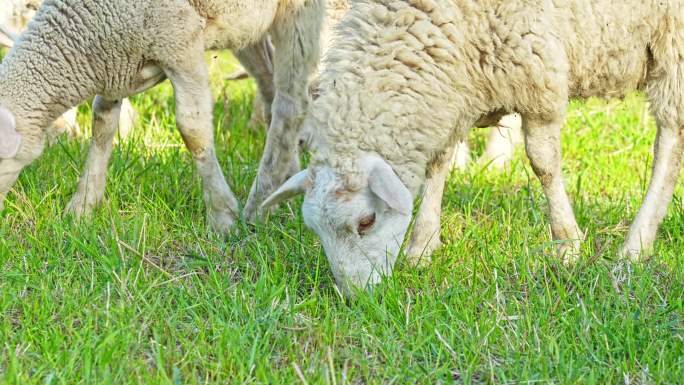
[{"x": 144, "y": 294}]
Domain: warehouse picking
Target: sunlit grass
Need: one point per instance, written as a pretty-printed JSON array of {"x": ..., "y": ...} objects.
[{"x": 143, "y": 293}]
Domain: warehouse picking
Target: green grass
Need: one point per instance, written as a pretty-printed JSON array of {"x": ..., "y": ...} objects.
[{"x": 143, "y": 293}]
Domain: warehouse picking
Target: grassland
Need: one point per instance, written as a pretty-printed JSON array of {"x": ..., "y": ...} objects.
[{"x": 144, "y": 294}]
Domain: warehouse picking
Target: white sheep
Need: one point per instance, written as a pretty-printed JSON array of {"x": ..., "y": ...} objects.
[
  {"x": 73, "y": 50},
  {"x": 502, "y": 139},
  {"x": 406, "y": 79},
  {"x": 14, "y": 17}
]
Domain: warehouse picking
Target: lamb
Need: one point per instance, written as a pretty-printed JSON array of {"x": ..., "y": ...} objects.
[
  {"x": 74, "y": 50},
  {"x": 14, "y": 17},
  {"x": 407, "y": 78}
]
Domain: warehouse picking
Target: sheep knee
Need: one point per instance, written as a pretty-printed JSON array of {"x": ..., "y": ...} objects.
[
  {"x": 288, "y": 111},
  {"x": 105, "y": 120}
]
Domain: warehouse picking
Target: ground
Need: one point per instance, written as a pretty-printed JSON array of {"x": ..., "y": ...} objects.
[{"x": 143, "y": 293}]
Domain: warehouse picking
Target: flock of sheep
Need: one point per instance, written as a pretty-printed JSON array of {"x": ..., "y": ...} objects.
[{"x": 385, "y": 114}]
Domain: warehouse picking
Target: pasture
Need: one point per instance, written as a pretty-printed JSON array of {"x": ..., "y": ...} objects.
[{"x": 142, "y": 293}]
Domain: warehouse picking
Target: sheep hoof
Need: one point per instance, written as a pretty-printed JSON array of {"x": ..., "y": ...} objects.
[
  {"x": 221, "y": 222},
  {"x": 252, "y": 212},
  {"x": 80, "y": 206},
  {"x": 569, "y": 252},
  {"x": 633, "y": 254},
  {"x": 419, "y": 252}
]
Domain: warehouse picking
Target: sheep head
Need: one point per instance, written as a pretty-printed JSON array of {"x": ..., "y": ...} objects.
[
  {"x": 361, "y": 229},
  {"x": 10, "y": 145},
  {"x": 20, "y": 144},
  {"x": 10, "y": 140}
]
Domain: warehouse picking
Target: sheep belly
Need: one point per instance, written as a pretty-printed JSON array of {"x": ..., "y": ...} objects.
[
  {"x": 235, "y": 24},
  {"x": 609, "y": 48}
]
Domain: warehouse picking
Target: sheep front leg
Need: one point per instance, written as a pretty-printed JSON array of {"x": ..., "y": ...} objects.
[
  {"x": 296, "y": 40},
  {"x": 257, "y": 59},
  {"x": 667, "y": 163},
  {"x": 91, "y": 186},
  {"x": 543, "y": 146},
  {"x": 425, "y": 238},
  {"x": 194, "y": 119}
]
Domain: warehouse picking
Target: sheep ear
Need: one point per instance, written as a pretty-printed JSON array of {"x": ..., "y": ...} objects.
[
  {"x": 293, "y": 187},
  {"x": 10, "y": 140},
  {"x": 384, "y": 183}
]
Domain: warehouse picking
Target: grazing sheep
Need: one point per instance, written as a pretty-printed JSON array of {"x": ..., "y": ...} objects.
[
  {"x": 502, "y": 139},
  {"x": 406, "y": 79},
  {"x": 73, "y": 50},
  {"x": 14, "y": 17}
]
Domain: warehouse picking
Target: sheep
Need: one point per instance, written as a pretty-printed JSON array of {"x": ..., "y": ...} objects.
[
  {"x": 73, "y": 50},
  {"x": 14, "y": 17},
  {"x": 407, "y": 78},
  {"x": 502, "y": 139}
]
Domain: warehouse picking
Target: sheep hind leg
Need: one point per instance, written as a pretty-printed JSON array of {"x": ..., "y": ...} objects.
[
  {"x": 128, "y": 118},
  {"x": 426, "y": 229},
  {"x": 668, "y": 152},
  {"x": 91, "y": 186},
  {"x": 542, "y": 143},
  {"x": 66, "y": 123},
  {"x": 461, "y": 156},
  {"x": 502, "y": 142},
  {"x": 296, "y": 41},
  {"x": 257, "y": 59},
  {"x": 194, "y": 118}
]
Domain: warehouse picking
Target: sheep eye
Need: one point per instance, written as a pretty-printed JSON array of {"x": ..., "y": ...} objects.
[{"x": 366, "y": 223}]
